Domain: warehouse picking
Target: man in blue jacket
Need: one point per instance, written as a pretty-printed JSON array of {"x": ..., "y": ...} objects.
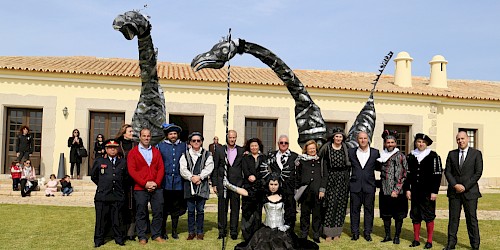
[
  {"x": 171, "y": 150},
  {"x": 362, "y": 185}
]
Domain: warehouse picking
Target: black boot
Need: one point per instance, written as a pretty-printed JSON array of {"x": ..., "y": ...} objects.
[
  {"x": 399, "y": 225},
  {"x": 175, "y": 222},
  {"x": 387, "y": 228}
]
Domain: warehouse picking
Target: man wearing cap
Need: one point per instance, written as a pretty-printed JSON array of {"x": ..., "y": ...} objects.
[
  {"x": 171, "y": 150},
  {"x": 145, "y": 166},
  {"x": 228, "y": 162},
  {"x": 392, "y": 200},
  {"x": 422, "y": 187},
  {"x": 196, "y": 166},
  {"x": 109, "y": 174},
  {"x": 362, "y": 185},
  {"x": 464, "y": 167}
]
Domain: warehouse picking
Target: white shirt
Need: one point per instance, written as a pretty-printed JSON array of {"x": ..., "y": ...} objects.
[
  {"x": 363, "y": 156},
  {"x": 278, "y": 159}
]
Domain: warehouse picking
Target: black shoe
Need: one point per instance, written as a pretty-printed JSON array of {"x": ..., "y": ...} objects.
[
  {"x": 131, "y": 238},
  {"x": 387, "y": 238},
  {"x": 368, "y": 237},
  {"x": 415, "y": 243},
  {"x": 316, "y": 240},
  {"x": 448, "y": 248},
  {"x": 96, "y": 245},
  {"x": 165, "y": 237},
  {"x": 175, "y": 235},
  {"x": 355, "y": 237},
  {"x": 396, "y": 240},
  {"x": 428, "y": 245},
  {"x": 234, "y": 237},
  {"x": 121, "y": 243},
  {"x": 221, "y": 236}
]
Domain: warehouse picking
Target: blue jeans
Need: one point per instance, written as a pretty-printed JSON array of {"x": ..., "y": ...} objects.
[
  {"x": 67, "y": 190},
  {"x": 196, "y": 203}
]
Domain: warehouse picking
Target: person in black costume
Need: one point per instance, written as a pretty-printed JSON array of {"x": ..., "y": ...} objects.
[
  {"x": 99, "y": 150},
  {"x": 275, "y": 232},
  {"x": 422, "y": 186}
]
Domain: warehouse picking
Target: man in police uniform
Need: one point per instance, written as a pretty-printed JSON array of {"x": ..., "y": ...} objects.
[{"x": 109, "y": 174}]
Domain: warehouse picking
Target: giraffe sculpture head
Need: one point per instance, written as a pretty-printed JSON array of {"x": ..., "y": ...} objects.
[
  {"x": 217, "y": 56},
  {"x": 131, "y": 24}
]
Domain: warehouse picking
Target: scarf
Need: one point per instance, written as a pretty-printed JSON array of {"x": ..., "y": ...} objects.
[
  {"x": 306, "y": 157},
  {"x": 385, "y": 155},
  {"x": 420, "y": 155}
]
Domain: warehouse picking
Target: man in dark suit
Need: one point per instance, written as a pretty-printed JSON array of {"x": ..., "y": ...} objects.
[
  {"x": 464, "y": 167},
  {"x": 282, "y": 162},
  {"x": 214, "y": 145},
  {"x": 228, "y": 163},
  {"x": 362, "y": 185}
]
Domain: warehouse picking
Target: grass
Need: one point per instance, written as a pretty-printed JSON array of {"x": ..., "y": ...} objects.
[
  {"x": 49, "y": 227},
  {"x": 488, "y": 202}
]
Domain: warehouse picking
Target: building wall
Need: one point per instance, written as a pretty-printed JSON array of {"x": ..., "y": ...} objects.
[{"x": 438, "y": 117}]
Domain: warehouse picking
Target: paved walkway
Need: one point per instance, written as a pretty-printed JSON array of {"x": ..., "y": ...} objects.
[{"x": 85, "y": 201}]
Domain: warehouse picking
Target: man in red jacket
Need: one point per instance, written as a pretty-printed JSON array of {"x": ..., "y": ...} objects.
[{"x": 145, "y": 166}]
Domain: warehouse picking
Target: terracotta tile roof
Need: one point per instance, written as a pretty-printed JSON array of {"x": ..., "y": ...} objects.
[{"x": 341, "y": 80}]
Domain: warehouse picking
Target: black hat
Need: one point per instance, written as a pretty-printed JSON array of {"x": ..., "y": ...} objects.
[
  {"x": 167, "y": 128},
  {"x": 335, "y": 131},
  {"x": 390, "y": 134},
  {"x": 111, "y": 143},
  {"x": 196, "y": 134},
  {"x": 424, "y": 137}
]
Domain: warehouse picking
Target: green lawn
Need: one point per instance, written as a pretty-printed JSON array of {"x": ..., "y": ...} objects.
[{"x": 48, "y": 227}]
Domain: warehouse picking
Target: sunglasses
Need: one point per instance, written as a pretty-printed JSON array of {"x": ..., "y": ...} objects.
[
  {"x": 195, "y": 140},
  {"x": 99, "y": 137},
  {"x": 28, "y": 162},
  {"x": 283, "y": 142}
]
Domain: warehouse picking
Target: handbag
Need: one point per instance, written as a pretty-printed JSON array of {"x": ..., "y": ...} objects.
[{"x": 82, "y": 152}]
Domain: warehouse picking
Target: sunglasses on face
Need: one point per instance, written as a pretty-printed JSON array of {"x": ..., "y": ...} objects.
[
  {"x": 283, "y": 142},
  {"x": 28, "y": 162},
  {"x": 195, "y": 140}
]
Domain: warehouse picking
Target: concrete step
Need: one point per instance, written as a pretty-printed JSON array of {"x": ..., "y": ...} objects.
[{"x": 8, "y": 192}]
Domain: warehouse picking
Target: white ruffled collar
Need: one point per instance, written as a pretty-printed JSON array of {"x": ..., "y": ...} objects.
[{"x": 385, "y": 155}]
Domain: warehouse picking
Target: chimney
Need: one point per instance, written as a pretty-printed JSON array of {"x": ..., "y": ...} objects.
[
  {"x": 438, "y": 72},
  {"x": 402, "y": 74}
]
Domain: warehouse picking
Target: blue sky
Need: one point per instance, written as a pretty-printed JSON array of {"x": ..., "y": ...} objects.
[{"x": 349, "y": 35}]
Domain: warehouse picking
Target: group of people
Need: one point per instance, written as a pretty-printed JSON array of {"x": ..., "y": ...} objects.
[
  {"x": 132, "y": 175},
  {"x": 175, "y": 177},
  {"x": 321, "y": 180}
]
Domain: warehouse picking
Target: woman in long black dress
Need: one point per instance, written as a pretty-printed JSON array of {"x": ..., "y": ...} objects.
[
  {"x": 336, "y": 160},
  {"x": 251, "y": 208},
  {"x": 75, "y": 142}
]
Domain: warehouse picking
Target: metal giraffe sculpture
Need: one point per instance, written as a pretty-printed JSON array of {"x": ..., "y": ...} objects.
[
  {"x": 150, "y": 112},
  {"x": 310, "y": 123}
]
